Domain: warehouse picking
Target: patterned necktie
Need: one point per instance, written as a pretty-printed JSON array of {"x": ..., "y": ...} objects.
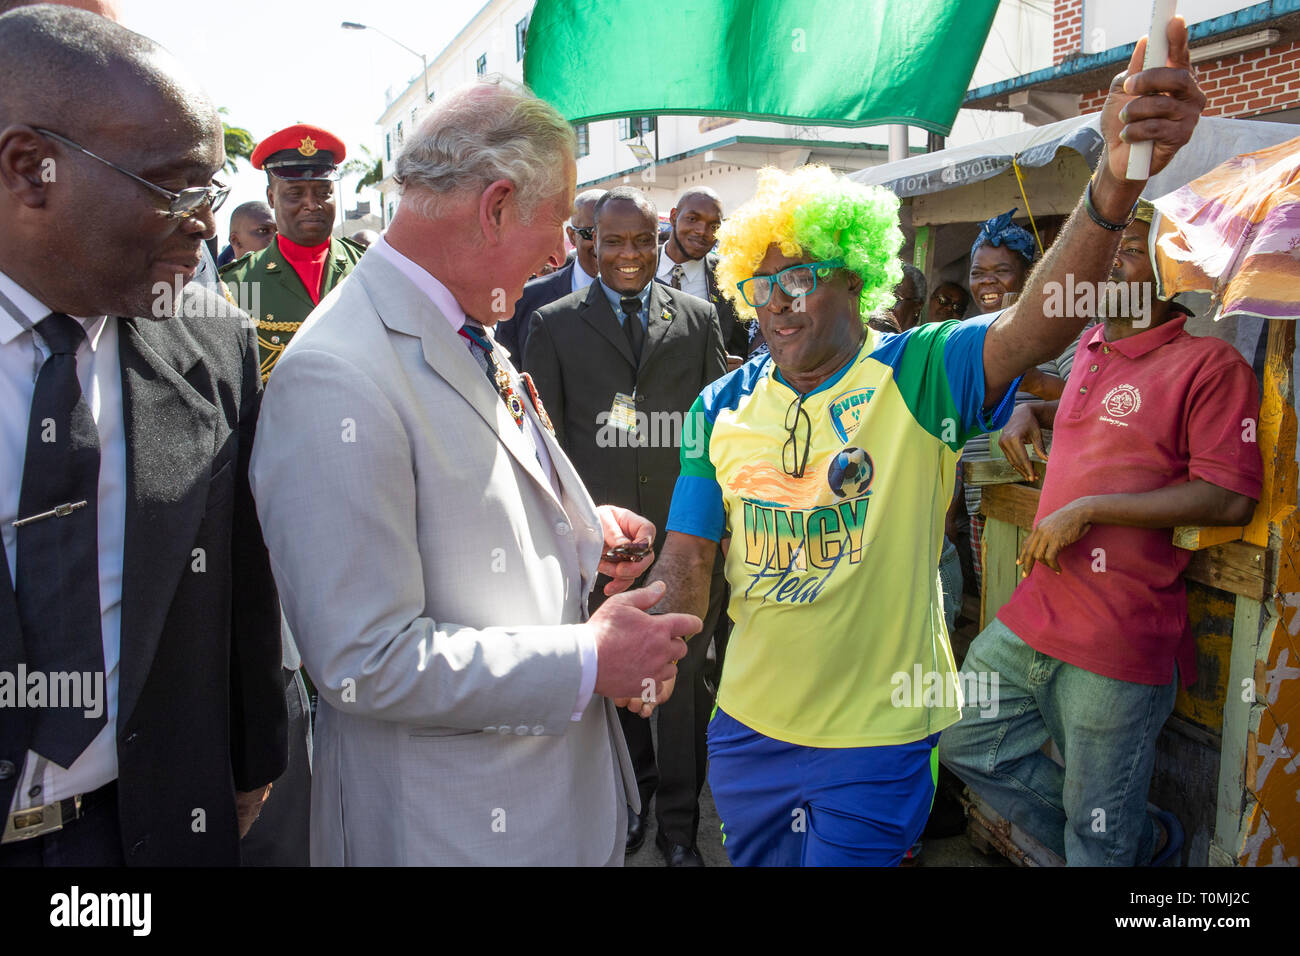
[
  {"x": 57, "y": 577},
  {"x": 678, "y": 275},
  {"x": 631, "y": 306},
  {"x": 476, "y": 338}
]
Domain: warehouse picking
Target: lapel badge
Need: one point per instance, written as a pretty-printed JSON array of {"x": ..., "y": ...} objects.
[
  {"x": 666, "y": 316},
  {"x": 270, "y": 266}
]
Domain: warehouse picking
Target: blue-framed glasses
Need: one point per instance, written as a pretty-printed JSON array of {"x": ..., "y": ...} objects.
[
  {"x": 794, "y": 281},
  {"x": 181, "y": 205}
]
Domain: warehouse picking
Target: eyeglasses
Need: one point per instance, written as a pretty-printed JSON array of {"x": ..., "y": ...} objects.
[
  {"x": 586, "y": 232},
  {"x": 182, "y": 205},
  {"x": 794, "y": 281},
  {"x": 791, "y": 463},
  {"x": 948, "y": 303}
]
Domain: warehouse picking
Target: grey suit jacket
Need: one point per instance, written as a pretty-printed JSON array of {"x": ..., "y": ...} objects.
[
  {"x": 579, "y": 356},
  {"x": 435, "y": 583}
]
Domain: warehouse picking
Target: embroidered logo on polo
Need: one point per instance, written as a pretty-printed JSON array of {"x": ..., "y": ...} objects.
[{"x": 1120, "y": 402}]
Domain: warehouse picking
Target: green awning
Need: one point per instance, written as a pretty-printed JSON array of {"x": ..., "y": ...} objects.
[{"x": 849, "y": 63}]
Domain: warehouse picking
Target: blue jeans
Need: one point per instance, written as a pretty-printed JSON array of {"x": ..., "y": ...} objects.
[
  {"x": 1094, "y": 811},
  {"x": 952, "y": 581}
]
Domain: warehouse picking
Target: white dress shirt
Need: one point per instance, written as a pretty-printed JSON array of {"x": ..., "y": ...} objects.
[
  {"x": 22, "y": 353},
  {"x": 446, "y": 303},
  {"x": 579, "y": 279},
  {"x": 693, "y": 282}
]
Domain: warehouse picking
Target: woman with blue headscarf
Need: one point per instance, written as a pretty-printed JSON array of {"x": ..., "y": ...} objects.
[{"x": 1001, "y": 259}]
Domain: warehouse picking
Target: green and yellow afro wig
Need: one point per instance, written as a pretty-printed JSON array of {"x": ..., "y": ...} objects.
[{"x": 812, "y": 210}]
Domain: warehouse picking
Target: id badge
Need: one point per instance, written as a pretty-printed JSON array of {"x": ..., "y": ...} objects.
[{"x": 622, "y": 414}]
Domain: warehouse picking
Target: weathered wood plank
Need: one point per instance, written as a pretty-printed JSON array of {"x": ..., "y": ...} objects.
[
  {"x": 1237, "y": 567},
  {"x": 1195, "y": 538},
  {"x": 1014, "y": 504},
  {"x": 1228, "y": 822},
  {"x": 997, "y": 471},
  {"x": 999, "y": 550}
]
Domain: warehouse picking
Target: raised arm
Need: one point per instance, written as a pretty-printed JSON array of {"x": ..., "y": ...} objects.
[{"x": 1026, "y": 334}]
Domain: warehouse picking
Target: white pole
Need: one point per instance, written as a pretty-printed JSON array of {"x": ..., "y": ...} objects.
[
  {"x": 1162, "y": 11},
  {"x": 897, "y": 142}
]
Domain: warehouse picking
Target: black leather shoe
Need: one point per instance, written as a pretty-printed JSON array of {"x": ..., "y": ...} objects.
[
  {"x": 635, "y": 831},
  {"x": 677, "y": 855}
]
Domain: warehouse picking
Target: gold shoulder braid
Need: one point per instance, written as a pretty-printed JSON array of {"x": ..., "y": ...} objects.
[{"x": 278, "y": 326}]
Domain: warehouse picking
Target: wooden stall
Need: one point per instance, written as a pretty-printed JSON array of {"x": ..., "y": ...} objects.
[{"x": 1228, "y": 761}]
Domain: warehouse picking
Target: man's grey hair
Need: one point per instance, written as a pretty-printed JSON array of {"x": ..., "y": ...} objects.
[
  {"x": 918, "y": 281},
  {"x": 485, "y": 131},
  {"x": 587, "y": 199}
]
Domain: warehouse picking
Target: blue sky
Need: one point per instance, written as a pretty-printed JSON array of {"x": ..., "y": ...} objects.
[{"x": 272, "y": 63}]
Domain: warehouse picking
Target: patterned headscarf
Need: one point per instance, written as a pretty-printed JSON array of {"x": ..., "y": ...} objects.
[{"x": 1001, "y": 231}]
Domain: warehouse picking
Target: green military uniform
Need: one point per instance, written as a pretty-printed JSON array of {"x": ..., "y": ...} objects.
[{"x": 266, "y": 286}]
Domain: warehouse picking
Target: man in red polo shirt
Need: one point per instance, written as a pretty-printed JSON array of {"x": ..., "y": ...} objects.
[{"x": 1156, "y": 429}]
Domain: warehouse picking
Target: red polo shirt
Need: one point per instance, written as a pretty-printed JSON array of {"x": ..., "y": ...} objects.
[{"x": 1158, "y": 408}]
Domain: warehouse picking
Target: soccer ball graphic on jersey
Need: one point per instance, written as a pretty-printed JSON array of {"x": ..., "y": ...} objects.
[{"x": 850, "y": 472}]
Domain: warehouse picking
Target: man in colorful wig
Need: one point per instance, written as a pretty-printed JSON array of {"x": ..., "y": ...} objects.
[{"x": 825, "y": 468}]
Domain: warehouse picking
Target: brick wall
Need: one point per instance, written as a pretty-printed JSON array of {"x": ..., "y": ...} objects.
[
  {"x": 1067, "y": 29},
  {"x": 1244, "y": 84}
]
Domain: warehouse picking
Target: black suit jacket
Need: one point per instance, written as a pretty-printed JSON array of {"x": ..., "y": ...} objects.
[
  {"x": 513, "y": 333},
  {"x": 201, "y": 709},
  {"x": 579, "y": 357},
  {"x": 735, "y": 334}
]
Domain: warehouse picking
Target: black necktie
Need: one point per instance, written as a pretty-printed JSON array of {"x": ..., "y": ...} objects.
[
  {"x": 631, "y": 306},
  {"x": 58, "y": 550}
]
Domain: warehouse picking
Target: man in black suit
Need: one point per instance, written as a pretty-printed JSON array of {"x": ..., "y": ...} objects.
[
  {"x": 686, "y": 262},
  {"x": 137, "y": 571},
  {"x": 574, "y": 276},
  {"x": 618, "y": 385}
]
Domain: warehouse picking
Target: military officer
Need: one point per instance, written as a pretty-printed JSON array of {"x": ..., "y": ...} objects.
[{"x": 281, "y": 284}]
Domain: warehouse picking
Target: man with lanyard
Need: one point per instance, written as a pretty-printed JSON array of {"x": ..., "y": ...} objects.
[
  {"x": 281, "y": 284},
  {"x": 827, "y": 467}
]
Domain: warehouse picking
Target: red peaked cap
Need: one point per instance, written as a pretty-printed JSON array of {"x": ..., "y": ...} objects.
[{"x": 302, "y": 150}]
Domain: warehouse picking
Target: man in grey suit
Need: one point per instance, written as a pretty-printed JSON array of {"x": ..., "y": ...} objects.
[
  {"x": 619, "y": 365},
  {"x": 434, "y": 544}
]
